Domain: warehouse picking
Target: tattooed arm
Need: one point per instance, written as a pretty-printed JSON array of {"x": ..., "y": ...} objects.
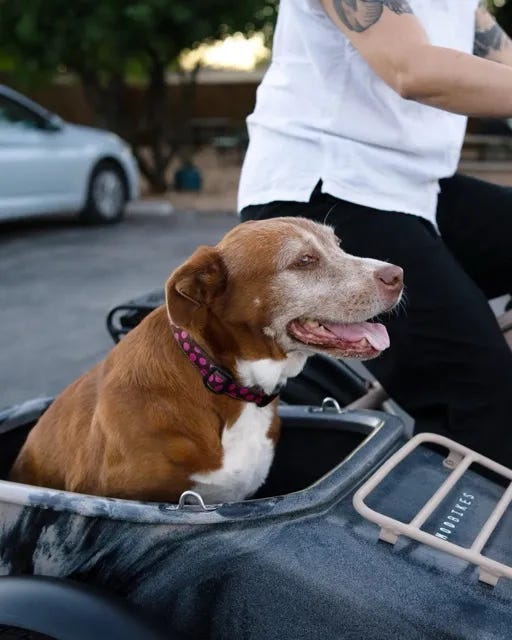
[
  {"x": 361, "y": 15},
  {"x": 394, "y": 44},
  {"x": 491, "y": 41}
]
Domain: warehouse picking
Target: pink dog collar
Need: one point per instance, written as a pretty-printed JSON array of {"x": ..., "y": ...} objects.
[{"x": 215, "y": 378}]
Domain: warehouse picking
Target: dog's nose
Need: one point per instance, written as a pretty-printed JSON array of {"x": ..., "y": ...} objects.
[{"x": 391, "y": 276}]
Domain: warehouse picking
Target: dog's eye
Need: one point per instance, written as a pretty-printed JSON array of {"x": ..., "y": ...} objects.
[{"x": 306, "y": 260}]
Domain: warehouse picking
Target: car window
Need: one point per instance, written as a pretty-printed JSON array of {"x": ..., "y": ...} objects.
[{"x": 13, "y": 114}]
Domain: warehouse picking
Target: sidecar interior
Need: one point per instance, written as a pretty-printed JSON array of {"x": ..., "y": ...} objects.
[{"x": 313, "y": 443}]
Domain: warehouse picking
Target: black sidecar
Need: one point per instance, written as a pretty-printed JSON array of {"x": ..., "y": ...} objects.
[{"x": 295, "y": 562}]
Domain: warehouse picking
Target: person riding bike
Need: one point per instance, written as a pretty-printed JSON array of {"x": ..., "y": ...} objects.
[{"x": 359, "y": 123}]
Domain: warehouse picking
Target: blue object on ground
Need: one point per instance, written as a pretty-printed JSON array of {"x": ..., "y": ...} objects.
[{"x": 188, "y": 178}]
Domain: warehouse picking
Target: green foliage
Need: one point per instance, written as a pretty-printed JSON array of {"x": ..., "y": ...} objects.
[
  {"x": 107, "y": 43},
  {"x": 113, "y": 36}
]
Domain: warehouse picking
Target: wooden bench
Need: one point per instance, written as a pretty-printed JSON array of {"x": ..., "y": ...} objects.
[{"x": 488, "y": 147}]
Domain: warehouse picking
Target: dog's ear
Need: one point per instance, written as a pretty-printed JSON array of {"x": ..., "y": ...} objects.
[{"x": 195, "y": 284}]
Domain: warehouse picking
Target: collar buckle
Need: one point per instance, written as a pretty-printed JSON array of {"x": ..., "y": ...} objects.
[{"x": 217, "y": 380}]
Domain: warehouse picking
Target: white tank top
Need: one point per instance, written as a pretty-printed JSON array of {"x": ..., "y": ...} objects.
[{"x": 322, "y": 113}]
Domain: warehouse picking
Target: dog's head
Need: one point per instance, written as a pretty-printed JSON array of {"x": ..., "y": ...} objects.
[{"x": 285, "y": 284}]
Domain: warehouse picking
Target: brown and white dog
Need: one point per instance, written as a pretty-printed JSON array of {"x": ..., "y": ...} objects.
[{"x": 242, "y": 316}]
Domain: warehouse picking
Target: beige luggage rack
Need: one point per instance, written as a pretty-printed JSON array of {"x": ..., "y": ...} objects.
[{"x": 460, "y": 458}]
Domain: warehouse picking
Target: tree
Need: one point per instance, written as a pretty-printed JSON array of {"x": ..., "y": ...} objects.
[{"x": 111, "y": 43}]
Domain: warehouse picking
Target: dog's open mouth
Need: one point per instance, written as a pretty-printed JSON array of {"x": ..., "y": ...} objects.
[{"x": 356, "y": 340}]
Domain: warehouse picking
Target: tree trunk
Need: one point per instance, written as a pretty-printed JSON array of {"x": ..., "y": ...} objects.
[{"x": 163, "y": 130}]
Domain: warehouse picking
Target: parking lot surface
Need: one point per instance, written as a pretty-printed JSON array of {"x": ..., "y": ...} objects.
[{"x": 58, "y": 280}]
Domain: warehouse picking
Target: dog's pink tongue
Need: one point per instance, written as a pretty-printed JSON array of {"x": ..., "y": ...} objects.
[{"x": 375, "y": 333}]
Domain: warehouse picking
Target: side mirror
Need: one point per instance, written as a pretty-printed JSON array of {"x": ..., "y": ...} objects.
[{"x": 53, "y": 123}]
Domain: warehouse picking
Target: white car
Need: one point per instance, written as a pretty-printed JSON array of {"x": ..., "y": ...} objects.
[{"x": 50, "y": 166}]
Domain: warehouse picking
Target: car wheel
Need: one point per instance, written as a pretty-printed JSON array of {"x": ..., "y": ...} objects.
[{"x": 106, "y": 198}]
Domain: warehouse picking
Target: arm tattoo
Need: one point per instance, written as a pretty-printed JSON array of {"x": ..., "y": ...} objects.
[
  {"x": 359, "y": 15},
  {"x": 488, "y": 40}
]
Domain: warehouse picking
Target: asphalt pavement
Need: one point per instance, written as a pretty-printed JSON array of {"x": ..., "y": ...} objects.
[{"x": 58, "y": 280}]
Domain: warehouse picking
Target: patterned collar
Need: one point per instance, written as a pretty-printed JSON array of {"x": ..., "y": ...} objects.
[{"x": 217, "y": 379}]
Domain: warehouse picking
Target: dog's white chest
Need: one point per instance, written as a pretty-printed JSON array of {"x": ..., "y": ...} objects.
[{"x": 248, "y": 454}]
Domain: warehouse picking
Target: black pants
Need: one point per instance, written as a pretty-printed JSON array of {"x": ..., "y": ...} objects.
[{"x": 448, "y": 364}]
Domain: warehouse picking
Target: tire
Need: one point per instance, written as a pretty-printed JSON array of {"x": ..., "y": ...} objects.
[{"x": 106, "y": 195}]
